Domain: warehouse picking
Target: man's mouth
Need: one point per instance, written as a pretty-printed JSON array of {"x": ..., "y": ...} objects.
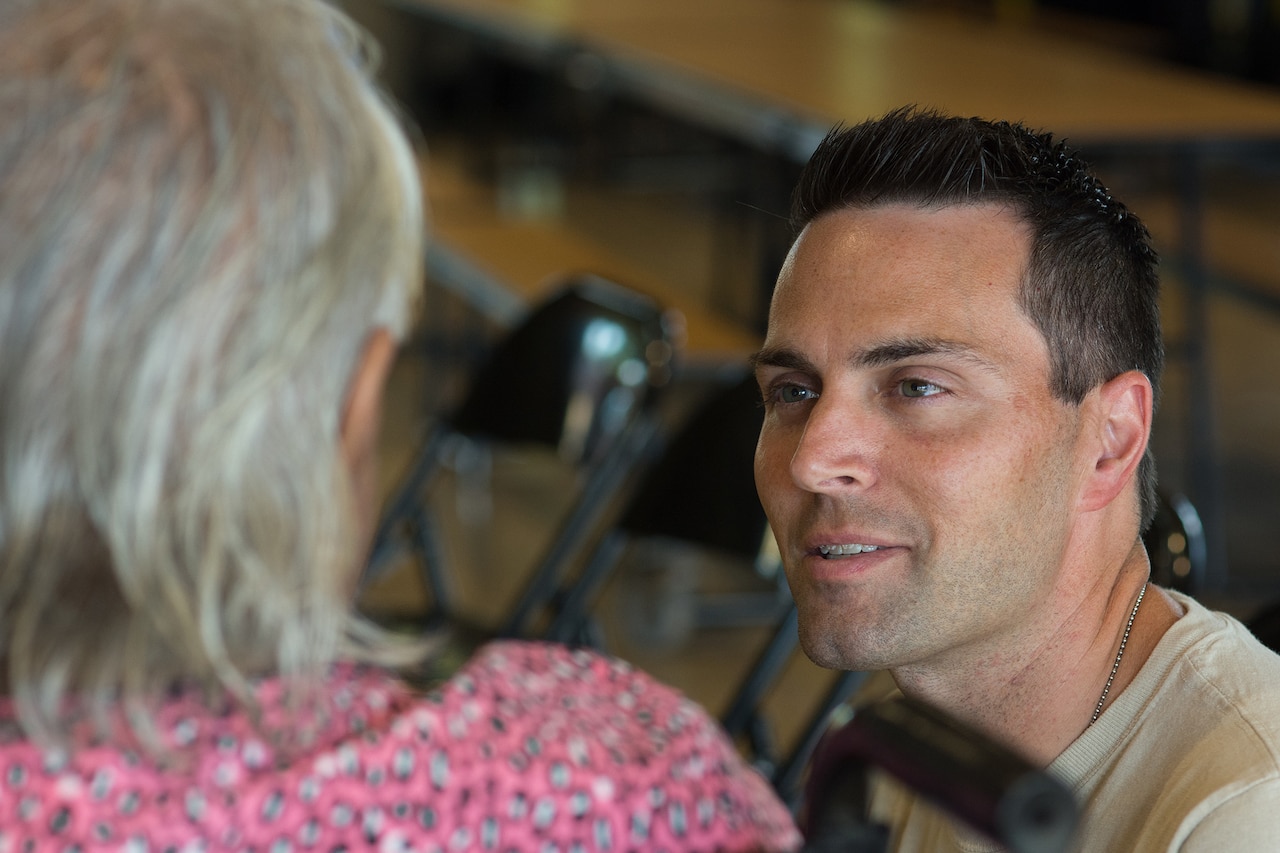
[{"x": 834, "y": 552}]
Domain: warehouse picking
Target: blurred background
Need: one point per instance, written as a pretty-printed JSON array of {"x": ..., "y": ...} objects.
[{"x": 654, "y": 143}]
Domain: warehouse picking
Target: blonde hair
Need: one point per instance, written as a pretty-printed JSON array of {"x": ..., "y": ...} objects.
[{"x": 205, "y": 210}]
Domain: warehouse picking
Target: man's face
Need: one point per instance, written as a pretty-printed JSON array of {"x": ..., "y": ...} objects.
[{"x": 918, "y": 473}]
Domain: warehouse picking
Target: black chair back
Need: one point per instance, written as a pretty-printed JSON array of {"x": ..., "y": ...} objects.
[
  {"x": 574, "y": 374},
  {"x": 1176, "y": 545},
  {"x": 580, "y": 375}
]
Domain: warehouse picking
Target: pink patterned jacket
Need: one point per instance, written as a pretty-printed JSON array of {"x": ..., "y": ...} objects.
[{"x": 530, "y": 747}]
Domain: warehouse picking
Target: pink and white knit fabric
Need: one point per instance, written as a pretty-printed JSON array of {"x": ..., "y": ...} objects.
[{"x": 530, "y": 747}]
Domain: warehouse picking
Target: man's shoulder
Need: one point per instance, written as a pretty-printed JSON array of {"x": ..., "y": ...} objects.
[
  {"x": 1209, "y": 685},
  {"x": 1195, "y": 732},
  {"x": 1214, "y": 663}
]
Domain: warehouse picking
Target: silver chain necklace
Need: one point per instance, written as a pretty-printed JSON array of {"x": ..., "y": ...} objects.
[{"x": 1124, "y": 640}]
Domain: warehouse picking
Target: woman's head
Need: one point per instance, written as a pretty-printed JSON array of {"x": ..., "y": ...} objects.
[{"x": 207, "y": 212}]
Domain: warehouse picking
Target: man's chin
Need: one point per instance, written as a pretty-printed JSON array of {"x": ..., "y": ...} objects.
[
  {"x": 832, "y": 642},
  {"x": 821, "y": 646}
]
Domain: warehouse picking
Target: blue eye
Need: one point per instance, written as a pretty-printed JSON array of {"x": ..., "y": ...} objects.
[
  {"x": 793, "y": 394},
  {"x": 918, "y": 388}
]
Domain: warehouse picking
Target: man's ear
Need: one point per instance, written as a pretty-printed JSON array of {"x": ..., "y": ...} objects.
[{"x": 1123, "y": 428}]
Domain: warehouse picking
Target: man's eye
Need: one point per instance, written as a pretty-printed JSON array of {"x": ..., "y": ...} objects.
[
  {"x": 793, "y": 394},
  {"x": 918, "y": 388}
]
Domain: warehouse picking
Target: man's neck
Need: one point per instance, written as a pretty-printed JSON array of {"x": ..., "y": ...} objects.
[{"x": 1040, "y": 700}]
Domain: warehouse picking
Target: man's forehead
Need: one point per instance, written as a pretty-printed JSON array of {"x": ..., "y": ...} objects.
[
  {"x": 877, "y": 285},
  {"x": 908, "y": 246}
]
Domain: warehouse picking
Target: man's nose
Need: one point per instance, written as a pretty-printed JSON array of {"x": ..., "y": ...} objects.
[{"x": 838, "y": 448}]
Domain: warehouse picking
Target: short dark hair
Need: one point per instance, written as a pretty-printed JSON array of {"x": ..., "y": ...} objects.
[{"x": 1092, "y": 286}]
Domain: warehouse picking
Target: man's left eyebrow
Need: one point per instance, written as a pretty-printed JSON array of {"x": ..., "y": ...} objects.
[{"x": 893, "y": 352}]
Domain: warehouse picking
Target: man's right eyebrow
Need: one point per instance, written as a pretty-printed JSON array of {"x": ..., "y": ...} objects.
[{"x": 781, "y": 357}]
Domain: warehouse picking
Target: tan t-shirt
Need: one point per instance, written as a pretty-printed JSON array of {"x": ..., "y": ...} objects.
[{"x": 1187, "y": 758}]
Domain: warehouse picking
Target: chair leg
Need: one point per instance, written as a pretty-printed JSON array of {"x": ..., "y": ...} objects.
[
  {"x": 567, "y": 623},
  {"x": 743, "y": 715},
  {"x": 599, "y": 496},
  {"x": 432, "y": 567},
  {"x": 406, "y": 515},
  {"x": 787, "y": 778},
  {"x": 763, "y": 672}
]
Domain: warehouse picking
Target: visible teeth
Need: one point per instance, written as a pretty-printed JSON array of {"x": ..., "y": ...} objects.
[{"x": 845, "y": 550}]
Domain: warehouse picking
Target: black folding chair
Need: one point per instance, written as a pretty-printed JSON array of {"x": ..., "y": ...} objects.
[
  {"x": 698, "y": 487},
  {"x": 581, "y": 375}
]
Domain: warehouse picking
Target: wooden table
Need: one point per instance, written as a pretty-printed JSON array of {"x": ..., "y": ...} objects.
[
  {"x": 780, "y": 72},
  {"x": 503, "y": 266}
]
